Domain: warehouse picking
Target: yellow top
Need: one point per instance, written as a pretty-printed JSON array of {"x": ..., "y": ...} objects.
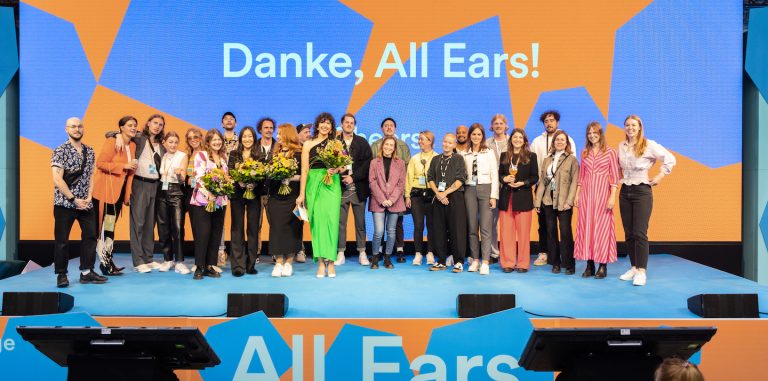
[{"x": 416, "y": 169}]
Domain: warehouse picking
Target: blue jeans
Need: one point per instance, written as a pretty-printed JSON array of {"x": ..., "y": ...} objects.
[{"x": 379, "y": 219}]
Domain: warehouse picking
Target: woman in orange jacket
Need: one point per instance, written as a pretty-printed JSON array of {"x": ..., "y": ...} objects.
[{"x": 112, "y": 189}]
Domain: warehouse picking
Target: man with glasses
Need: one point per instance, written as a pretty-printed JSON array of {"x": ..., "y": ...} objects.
[
  {"x": 388, "y": 128},
  {"x": 72, "y": 164}
]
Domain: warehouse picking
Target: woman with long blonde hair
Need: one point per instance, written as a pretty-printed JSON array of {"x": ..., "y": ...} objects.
[
  {"x": 285, "y": 230},
  {"x": 636, "y": 156}
]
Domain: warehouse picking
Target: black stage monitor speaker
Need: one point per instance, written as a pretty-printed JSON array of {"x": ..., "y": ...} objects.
[
  {"x": 273, "y": 305},
  {"x": 474, "y": 305},
  {"x": 36, "y": 303},
  {"x": 724, "y": 305}
]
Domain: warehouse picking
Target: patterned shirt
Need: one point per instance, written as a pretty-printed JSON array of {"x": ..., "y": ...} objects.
[
  {"x": 69, "y": 159},
  {"x": 230, "y": 144}
]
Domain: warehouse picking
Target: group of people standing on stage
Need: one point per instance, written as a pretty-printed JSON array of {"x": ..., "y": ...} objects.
[{"x": 477, "y": 186}]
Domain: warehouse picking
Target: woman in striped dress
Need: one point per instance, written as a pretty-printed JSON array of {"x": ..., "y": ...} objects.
[{"x": 595, "y": 198}]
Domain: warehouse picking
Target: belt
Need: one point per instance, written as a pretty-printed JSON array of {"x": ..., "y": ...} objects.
[{"x": 145, "y": 179}]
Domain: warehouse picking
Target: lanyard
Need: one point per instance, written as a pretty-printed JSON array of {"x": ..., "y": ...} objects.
[{"x": 443, "y": 169}]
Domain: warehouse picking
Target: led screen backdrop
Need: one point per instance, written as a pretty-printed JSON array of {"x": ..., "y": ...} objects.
[{"x": 428, "y": 64}]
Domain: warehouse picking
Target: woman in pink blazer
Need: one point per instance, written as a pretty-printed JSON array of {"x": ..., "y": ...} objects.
[{"x": 387, "y": 179}]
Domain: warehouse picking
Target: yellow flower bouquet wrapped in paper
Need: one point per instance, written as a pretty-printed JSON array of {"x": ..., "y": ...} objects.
[
  {"x": 333, "y": 155},
  {"x": 282, "y": 168},
  {"x": 249, "y": 172},
  {"x": 218, "y": 183}
]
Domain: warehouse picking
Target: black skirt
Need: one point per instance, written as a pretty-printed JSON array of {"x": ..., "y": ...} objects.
[{"x": 285, "y": 229}]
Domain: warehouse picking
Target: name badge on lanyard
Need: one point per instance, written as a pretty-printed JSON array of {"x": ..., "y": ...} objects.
[
  {"x": 441, "y": 186},
  {"x": 422, "y": 181}
]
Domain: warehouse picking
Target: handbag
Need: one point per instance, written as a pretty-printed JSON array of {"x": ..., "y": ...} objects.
[{"x": 71, "y": 178}]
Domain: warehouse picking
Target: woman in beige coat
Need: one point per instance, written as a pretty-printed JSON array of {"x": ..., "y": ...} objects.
[{"x": 555, "y": 197}]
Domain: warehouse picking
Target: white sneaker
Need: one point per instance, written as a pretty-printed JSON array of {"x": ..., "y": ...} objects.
[
  {"x": 629, "y": 275},
  {"x": 484, "y": 269},
  {"x": 417, "y": 259},
  {"x": 475, "y": 264},
  {"x": 339, "y": 259},
  {"x": 277, "y": 271},
  {"x": 449, "y": 261},
  {"x": 364, "y": 259},
  {"x": 458, "y": 267},
  {"x": 181, "y": 269},
  {"x": 287, "y": 270},
  {"x": 541, "y": 260},
  {"x": 639, "y": 279},
  {"x": 166, "y": 266},
  {"x": 301, "y": 257},
  {"x": 430, "y": 258},
  {"x": 142, "y": 268},
  {"x": 217, "y": 269}
]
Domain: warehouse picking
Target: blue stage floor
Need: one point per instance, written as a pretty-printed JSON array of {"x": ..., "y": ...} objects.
[{"x": 404, "y": 292}]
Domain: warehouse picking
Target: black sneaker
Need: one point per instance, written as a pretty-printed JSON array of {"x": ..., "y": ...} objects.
[
  {"x": 62, "y": 281},
  {"x": 92, "y": 277},
  {"x": 437, "y": 267}
]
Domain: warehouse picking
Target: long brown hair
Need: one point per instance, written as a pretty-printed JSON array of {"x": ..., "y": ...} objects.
[
  {"x": 381, "y": 149},
  {"x": 641, "y": 142},
  {"x": 145, "y": 131},
  {"x": 601, "y": 144},
  {"x": 207, "y": 145},
  {"x": 472, "y": 128},
  {"x": 524, "y": 157},
  {"x": 288, "y": 138},
  {"x": 568, "y": 148}
]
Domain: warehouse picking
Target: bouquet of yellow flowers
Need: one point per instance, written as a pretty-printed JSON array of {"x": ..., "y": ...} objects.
[
  {"x": 218, "y": 183},
  {"x": 333, "y": 155},
  {"x": 249, "y": 172},
  {"x": 282, "y": 168}
]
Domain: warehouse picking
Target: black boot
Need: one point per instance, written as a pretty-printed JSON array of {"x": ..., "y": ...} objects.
[
  {"x": 590, "y": 270},
  {"x": 400, "y": 257},
  {"x": 388, "y": 262},
  {"x": 374, "y": 262},
  {"x": 602, "y": 271}
]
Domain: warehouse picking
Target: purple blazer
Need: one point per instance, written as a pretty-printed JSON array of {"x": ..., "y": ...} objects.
[{"x": 382, "y": 190}]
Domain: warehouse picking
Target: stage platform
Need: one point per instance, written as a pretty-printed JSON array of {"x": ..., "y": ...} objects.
[{"x": 404, "y": 292}]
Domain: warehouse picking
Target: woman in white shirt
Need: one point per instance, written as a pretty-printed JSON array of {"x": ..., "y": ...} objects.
[
  {"x": 480, "y": 194},
  {"x": 170, "y": 204},
  {"x": 636, "y": 156}
]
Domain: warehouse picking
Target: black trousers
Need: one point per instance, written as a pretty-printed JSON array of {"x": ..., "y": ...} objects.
[
  {"x": 635, "y": 206},
  {"x": 170, "y": 218},
  {"x": 64, "y": 218},
  {"x": 421, "y": 207},
  {"x": 399, "y": 233},
  {"x": 187, "y": 198},
  {"x": 449, "y": 222},
  {"x": 207, "y": 229},
  {"x": 244, "y": 257},
  {"x": 560, "y": 251}
]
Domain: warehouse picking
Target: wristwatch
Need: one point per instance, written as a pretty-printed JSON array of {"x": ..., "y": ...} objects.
[{"x": 71, "y": 199}]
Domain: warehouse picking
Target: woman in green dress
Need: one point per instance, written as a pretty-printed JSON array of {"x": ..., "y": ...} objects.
[{"x": 318, "y": 197}]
